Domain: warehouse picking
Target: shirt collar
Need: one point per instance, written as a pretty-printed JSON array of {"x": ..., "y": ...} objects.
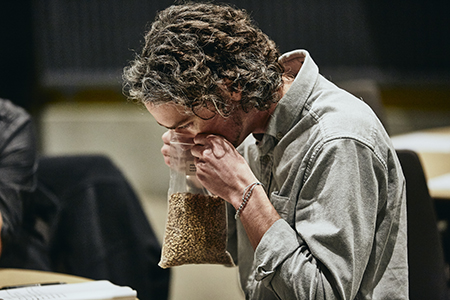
[{"x": 299, "y": 64}]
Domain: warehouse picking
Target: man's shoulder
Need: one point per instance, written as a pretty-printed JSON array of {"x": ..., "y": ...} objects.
[{"x": 342, "y": 114}]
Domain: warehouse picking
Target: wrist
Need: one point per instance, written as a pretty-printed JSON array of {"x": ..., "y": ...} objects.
[
  {"x": 248, "y": 191},
  {"x": 258, "y": 215}
]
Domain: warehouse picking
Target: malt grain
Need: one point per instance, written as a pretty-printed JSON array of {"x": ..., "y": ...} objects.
[{"x": 196, "y": 231}]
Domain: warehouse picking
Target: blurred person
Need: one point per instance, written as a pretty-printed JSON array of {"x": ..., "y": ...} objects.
[
  {"x": 315, "y": 189},
  {"x": 74, "y": 214},
  {"x": 18, "y": 166}
]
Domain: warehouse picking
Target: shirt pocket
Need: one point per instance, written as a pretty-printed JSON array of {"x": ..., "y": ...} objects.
[{"x": 284, "y": 206}]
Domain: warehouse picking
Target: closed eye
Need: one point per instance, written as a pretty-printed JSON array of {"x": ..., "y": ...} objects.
[{"x": 185, "y": 126}]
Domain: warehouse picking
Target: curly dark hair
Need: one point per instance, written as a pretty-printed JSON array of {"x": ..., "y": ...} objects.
[{"x": 193, "y": 50}]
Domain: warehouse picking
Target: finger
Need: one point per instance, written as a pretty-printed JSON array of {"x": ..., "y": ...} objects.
[
  {"x": 201, "y": 143},
  {"x": 200, "y": 151},
  {"x": 165, "y": 149},
  {"x": 167, "y": 160},
  {"x": 202, "y": 138},
  {"x": 166, "y": 137},
  {"x": 217, "y": 145}
]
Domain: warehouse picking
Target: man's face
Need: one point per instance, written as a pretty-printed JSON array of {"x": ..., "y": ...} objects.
[{"x": 177, "y": 118}]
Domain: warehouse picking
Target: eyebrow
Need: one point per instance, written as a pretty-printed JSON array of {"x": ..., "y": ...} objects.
[{"x": 176, "y": 125}]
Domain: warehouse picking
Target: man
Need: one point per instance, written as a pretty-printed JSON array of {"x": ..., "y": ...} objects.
[{"x": 317, "y": 190}]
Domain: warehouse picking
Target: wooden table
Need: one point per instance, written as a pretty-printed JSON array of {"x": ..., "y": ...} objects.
[
  {"x": 11, "y": 277},
  {"x": 433, "y": 148}
]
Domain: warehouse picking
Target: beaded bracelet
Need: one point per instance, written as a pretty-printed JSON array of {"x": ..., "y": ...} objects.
[{"x": 245, "y": 196}]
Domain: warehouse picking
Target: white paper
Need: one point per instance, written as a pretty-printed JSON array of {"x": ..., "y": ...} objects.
[
  {"x": 92, "y": 290},
  {"x": 423, "y": 142}
]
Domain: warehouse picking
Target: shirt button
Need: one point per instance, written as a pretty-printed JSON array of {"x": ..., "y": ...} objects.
[{"x": 279, "y": 135}]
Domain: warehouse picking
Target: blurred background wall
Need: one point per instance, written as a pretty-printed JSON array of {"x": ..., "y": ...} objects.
[{"x": 62, "y": 60}]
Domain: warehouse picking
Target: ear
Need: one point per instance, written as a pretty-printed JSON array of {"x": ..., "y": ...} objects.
[{"x": 236, "y": 96}]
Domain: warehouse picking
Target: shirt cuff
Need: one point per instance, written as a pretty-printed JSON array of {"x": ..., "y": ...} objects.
[{"x": 278, "y": 243}]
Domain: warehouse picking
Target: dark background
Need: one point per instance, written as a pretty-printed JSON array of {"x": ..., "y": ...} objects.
[{"x": 68, "y": 45}]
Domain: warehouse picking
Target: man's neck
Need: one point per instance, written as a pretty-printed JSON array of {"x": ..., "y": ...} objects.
[{"x": 263, "y": 117}]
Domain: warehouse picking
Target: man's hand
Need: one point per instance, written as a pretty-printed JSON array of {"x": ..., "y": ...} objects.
[
  {"x": 165, "y": 150},
  {"x": 220, "y": 167},
  {"x": 225, "y": 173}
]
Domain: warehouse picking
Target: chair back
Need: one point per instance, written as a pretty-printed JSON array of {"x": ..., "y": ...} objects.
[{"x": 427, "y": 276}]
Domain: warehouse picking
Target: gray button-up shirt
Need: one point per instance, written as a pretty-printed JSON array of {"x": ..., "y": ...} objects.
[{"x": 332, "y": 174}]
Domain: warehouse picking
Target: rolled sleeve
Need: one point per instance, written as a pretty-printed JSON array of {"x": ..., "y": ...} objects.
[{"x": 277, "y": 244}]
